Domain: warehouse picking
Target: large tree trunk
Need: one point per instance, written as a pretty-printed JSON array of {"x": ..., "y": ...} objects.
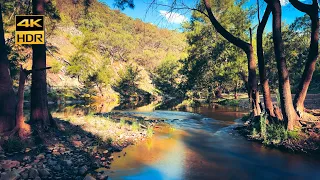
[
  {"x": 289, "y": 115},
  {"x": 7, "y": 95},
  {"x": 262, "y": 69},
  {"x": 247, "y": 48},
  {"x": 312, "y": 11},
  {"x": 39, "y": 102}
]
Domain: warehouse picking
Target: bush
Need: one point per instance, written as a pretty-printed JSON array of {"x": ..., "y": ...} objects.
[
  {"x": 276, "y": 133},
  {"x": 13, "y": 145}
]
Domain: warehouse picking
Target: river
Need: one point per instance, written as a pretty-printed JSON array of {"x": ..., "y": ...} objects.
[{"x": 201, "y": 144}]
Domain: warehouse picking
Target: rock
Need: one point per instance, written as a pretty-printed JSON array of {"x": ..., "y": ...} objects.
[
  {"x": 57, "y": 168},
  {"x": 33, "y": 173},
  {"x": 105, "y": 152},
  {"x": 11, "y": 175},
  {"x": 89, "y": 177},
  {"x": 27, "y": 159},
  {"x": 67, "y": 162},
  {"x": 83, "y": 170},
  {"x": 27, "y": 150},
  {"x": 76, "y": 137},
  {"x": 37, "y": 178},
  {"x": 40, "y": 157},
  {"x": 51, "y": 162},
  {"x": 24, "y": 174},
  {"x": 8, "y": 164},
  {"x": 44, "y": 173},
  {"x": 77, "y": 143},
  {"x": 103, "y": 177}
]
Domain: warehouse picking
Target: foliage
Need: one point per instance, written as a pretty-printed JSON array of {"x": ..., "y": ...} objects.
[{"x": 212, "y": 60}]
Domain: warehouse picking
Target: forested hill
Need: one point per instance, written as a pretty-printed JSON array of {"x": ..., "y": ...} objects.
[{"x": 95, "y": 48}]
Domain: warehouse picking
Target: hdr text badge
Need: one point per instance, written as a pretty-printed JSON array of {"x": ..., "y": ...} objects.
[{"x": 29, "y": 29}]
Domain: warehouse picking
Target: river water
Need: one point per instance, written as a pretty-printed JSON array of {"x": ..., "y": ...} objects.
[{"x": 201, "y": 144}]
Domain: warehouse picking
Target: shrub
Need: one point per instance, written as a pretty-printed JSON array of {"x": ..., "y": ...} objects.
[
  {"x": 150, "y": 131},
  {"x": 135, "y": 126},
  {"x": 229, "y": 102},
  {"x": 109, "y": 141},
  {"x": 13, "y": 145},
  {"x": 276, "y": 133},
  {"x": 122, "y": 122},
  {"x": 263, "y": 125}
]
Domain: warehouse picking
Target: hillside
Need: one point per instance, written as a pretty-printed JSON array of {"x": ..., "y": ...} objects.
[{"x": 94, "y": 50}]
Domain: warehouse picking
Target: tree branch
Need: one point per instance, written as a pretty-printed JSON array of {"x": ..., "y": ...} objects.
[
  {"x": 306, "y": 8},
  {"x": 226, "y": 34}
]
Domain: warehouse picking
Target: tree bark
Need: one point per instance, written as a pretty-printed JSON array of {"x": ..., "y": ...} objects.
[
  {"x": 262, "y": 68},
  {"x": 247, "y": 48},
  {"x": 312, "y": 11},
  {"x": 289, "y": 115},
  {"x": 7, "y": 95},
  {"x": 39, "y": 102}
]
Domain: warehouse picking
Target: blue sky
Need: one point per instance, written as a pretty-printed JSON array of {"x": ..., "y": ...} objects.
[{"x": 159, "y": 15}]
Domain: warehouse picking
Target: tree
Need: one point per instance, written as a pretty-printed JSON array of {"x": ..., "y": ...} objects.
[
  {"x": 39, "y": 101},
  {"x": 261, "y": 62},
  {"x": 248, "y": 49},
  {"x": 289, "y": 114},
  {"x": 313, "y": 12},
  {"x": 7, "y": 96}
]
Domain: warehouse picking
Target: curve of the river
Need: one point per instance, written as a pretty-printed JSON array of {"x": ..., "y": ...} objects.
[{"x": 203, "y": 145}]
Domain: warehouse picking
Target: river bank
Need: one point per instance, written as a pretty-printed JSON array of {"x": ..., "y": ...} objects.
[{"x": 81, "y": 147}]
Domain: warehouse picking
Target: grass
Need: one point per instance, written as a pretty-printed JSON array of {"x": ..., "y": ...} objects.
[{"x": 229, "y": 102}]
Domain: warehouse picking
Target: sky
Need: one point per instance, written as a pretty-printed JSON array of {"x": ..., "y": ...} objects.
[{"x": 160, "y": 15}]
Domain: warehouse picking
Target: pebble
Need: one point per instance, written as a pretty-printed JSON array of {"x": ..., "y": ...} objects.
[
  {"x": 44, "y": 173},
  {"x": 12, "y": 175},
  {"x": 89, "y": 177},
  {"x": 33, "y": 173},
  {"x": 83, "y": 170}
]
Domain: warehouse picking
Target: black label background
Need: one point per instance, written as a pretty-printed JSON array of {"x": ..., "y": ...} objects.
[{"x": 35, "y": 28}]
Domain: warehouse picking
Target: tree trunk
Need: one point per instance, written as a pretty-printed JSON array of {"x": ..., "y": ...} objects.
[
  {"x": 7, "y": 95},
  {"x": 254, "y": 97},
  {"x": 262, "y": 69},
  {"x": 312, "y": 11},
  {"x": 39, "y": 102},
  {"x": 236, "y": 91},
  {"x": 289, "y": 115},
  {"x": 247, "y": 48},
  {"x": 24, "y": 129}
]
